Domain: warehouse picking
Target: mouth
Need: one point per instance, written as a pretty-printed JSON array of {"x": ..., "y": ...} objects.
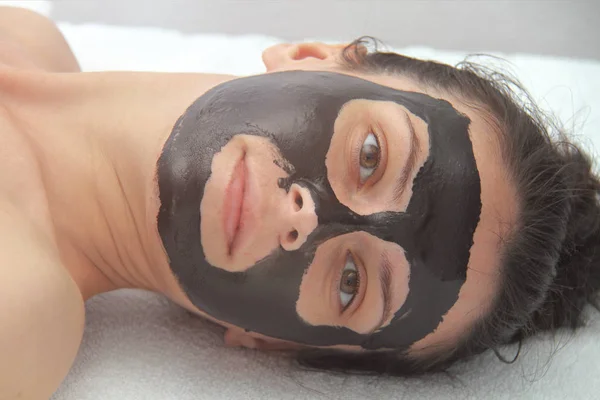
[{"x": 233, "y": 206}]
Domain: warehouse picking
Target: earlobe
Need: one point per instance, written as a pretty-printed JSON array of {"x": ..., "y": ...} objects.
[{"x": 288, "y": 56}]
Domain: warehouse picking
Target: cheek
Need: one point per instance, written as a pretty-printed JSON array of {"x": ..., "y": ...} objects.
[
  {"x": 339, "y": 173},
  {"x": 362, "y": 321},
  {"x": 314, "y": 303}
]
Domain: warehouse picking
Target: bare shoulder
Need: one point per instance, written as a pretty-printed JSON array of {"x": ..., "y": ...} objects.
[
  {"x": 30, "y": 40},
  {"x": 41, "y": 310}
]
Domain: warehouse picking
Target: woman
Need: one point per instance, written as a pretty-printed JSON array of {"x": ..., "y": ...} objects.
[{"x": 366, "y": 210}]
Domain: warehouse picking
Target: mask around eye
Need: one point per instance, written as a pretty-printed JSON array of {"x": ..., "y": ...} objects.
[{"x": 296, "y": 112}]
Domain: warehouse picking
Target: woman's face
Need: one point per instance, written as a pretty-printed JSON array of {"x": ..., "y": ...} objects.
[{"x": 326, "y": 209}]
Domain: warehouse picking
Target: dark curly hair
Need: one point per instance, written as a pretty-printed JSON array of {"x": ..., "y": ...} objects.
[{"x": 551, "y": 260}]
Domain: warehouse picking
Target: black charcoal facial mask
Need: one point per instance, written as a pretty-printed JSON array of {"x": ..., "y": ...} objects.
[{"x": 296, "y": 110}]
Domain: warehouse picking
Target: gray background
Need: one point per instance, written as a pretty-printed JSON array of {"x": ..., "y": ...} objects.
[{"x": 560, "y": 28}]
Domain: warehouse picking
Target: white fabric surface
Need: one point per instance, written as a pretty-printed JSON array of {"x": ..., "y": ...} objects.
[{"x": 137, "y": 345}]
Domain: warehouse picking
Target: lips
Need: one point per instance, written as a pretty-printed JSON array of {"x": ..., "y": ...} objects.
[{"x": 233, "y": 205}]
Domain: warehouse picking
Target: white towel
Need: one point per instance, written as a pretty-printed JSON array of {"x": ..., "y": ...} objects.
[{"x": 137, "y": 345}]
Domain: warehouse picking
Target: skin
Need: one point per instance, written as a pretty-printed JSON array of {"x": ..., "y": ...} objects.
[{"x": 79, "y": 217}]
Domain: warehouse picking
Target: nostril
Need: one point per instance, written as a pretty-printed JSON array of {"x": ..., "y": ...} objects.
[
  {"x": 298, "y": 201},
  {"x": 292, "y": 236}
]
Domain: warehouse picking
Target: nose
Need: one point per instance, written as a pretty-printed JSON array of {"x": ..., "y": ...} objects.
[{"x": 299, "y": 218}]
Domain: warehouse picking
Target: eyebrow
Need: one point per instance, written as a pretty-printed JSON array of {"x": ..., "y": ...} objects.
[
  {"x": 385, "y": 280},
  {"x": 410, "y": 163}
]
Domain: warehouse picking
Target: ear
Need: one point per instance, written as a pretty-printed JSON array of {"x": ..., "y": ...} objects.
[{"x": 288, "y": 56}]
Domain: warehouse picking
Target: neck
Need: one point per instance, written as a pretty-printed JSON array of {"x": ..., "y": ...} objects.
[{"x": 97, "y": 137}]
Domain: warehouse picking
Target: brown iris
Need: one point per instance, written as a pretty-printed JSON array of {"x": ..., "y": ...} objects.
[
  {"x": 369, "y": 156},
  {"x": 349, "y": 282}
]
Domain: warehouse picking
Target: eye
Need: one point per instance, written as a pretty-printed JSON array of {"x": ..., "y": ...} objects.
[
  {"x": 369, "y": 157},
  {"x": 349, "y": 282}
]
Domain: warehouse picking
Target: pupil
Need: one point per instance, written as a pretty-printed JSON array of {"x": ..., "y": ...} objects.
[
  {"x": 349, "y": 282},
  {"x": 369, "y": 156}
]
